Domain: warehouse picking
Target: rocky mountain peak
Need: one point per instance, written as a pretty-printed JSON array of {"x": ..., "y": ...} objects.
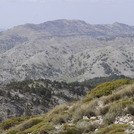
[
  {"x": 65, "y": 22},
  {"x": 124, "y": 28},
  {"x": 119, "y": 24}
]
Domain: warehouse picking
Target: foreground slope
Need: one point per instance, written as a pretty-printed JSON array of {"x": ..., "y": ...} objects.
[
  {"x": 107, "y": 109},
  {"x": 66, "y": 50}
]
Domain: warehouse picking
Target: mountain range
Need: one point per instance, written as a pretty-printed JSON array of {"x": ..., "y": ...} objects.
[{"x": 67, "y": 50}]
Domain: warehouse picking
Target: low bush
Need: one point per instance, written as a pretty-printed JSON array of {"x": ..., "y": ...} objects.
[
  {"x": 103, "y": 110},
  {"x": 61, "y": 118},
  {"x": 59, "y": 109},
  {"x": 87, "y": 109},
  {"x": 47, "y": 127},
  {"x": 126, "y": 91},
  {"x": 130, "y": 110},
  {"x": 14, "y": 121},
  {"x": 86, "y": 126},
  {"x": 108, "y": 87},
  {"x": 28, "y": 124},
  {"x": 69, "y": 129},
  {"x": 116, "y": 109},
  {"x": 42, "y": 127},
  {"x": 114, "y": 129}
]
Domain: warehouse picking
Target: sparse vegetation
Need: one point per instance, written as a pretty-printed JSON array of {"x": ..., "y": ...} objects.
[
  {"x": 10, "y": 123},
  {"x": 108, "y": 87},
  {"x": 114, "y": 129},
  {"x": 96, "y": 116}
]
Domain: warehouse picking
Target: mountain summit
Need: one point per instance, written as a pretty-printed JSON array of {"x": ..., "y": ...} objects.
[{"x": 78, "y": 27}]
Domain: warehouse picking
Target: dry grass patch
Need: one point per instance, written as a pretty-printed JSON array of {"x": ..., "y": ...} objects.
[
  {"x": 125, "y": 91},
  {"x": 87, "y": 109},
  {"x": 42, "y": 128},
  {"x": 103, "y": 110},
  {"x": 130, "y": 110},
  {"x": 12, "y": 122},
  {"x": 64, "y": 117},
  {"x": 114, "y": 129},
  {"x": 116, "y": 109},
  {"x": 86, "y": 126},
  {"x": 25, "y": 125},
  {"x": 59, "y": 109},
  {"x": 69, "y": 129}
]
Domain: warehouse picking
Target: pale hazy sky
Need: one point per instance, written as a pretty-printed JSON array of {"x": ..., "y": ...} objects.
[{"x": 17, "y": 12}]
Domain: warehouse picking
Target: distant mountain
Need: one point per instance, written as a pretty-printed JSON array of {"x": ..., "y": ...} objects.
[{"x": 67, "y": 50}]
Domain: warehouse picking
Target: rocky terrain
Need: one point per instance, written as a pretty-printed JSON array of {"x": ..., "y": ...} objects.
[
  {"x": 106, "y": 109},
  {"x": 66, "y": 50}
]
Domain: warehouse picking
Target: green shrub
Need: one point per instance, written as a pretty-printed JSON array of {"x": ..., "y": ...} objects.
[
  {"x": 15, "y": 132},
  {"x": 59, "y": 109},
  {"x": 43, "y": 126},
  {"x": 63, "y": 117},
  {"x": 12, "y": 132},
  {"x": 69, "y": 129},
  {"x": 47, "y": 127},
  {"x": 21, "y": 133},
  {"x": 116, "y": 109},
  {"x": 86, "y": 126},
  {"x": 122, "y": 93},
  {"x": 103, "y": 110},
  {"x": 28, "y": 124},
  {"x": 87, "y": 109},
  {"x": 108, "y": 87},
  {"x": 130, "y": 110},
  {"x": 109, "y": 118},
  {"x": 114, "y": 129},
  {"x": 14, "y": 121}
]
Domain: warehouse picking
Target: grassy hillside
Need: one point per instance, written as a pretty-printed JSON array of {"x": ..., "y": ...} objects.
[{"x": 111, "y": 111}]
